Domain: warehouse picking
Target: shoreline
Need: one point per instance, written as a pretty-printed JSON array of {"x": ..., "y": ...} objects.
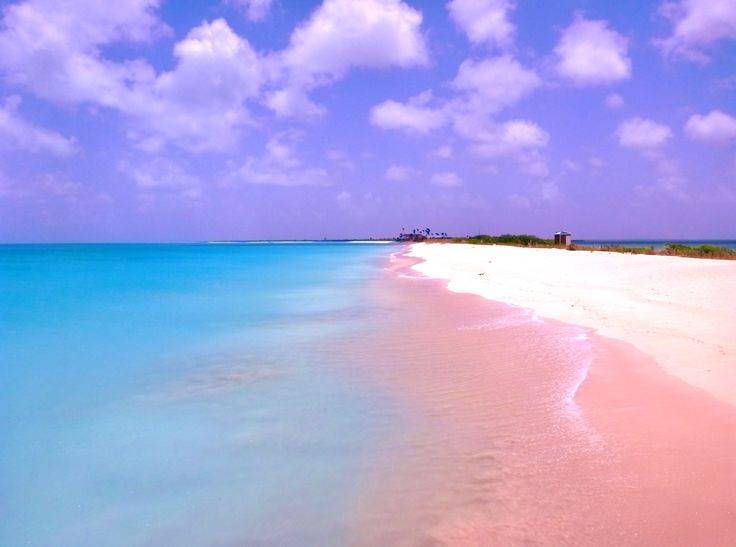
[
  {"x": 679, "y": 311},
  {"x": 534, "y": 431}
]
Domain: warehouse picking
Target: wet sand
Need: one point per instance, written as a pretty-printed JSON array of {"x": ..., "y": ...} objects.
[{"x": 533, "y": 432}]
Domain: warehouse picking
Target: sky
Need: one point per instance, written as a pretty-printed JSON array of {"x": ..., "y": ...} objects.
[{"x": 189, "y": 120}]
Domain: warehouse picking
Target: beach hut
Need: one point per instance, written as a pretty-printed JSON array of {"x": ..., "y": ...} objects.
[{"x": 563, "y": 238}]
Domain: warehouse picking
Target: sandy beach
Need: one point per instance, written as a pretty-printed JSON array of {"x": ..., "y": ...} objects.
[
  {"x": 531, "y": 431},
  {"x": 679, "y": 311}
]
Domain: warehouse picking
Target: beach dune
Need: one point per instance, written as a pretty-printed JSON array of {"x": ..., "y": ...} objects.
[{"x": 680, "y": 311}]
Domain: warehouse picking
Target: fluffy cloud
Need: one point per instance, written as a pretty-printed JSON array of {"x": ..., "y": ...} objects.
[
  {"x": 482, "y": 89},
  {"x": 484, "y": 21},
  {"x": 523, "y": 134},
  {"x": 643, "y": 134},
  {"x": 53, "y": 47},
  {"x": 200, "y": 104},
  {"x": 159, "y": 173},
  {"x": 17, "y": 133},
  {"x": 716, "y": 127},
  {"x": 590, "y": 53},
  {"x": 487, "y": 87},
  {"x": 649, "y": 138},
  {"x": 414, "y": 116},
  {"x": 508, "y": 138},
  {"x": 280, "y": 166},
  {"x": 254, "y": 10},
  {"x": 494, "y": 83},
  {"x": 697, "y": 26},
  {"x": 341, "y": 35},
  {"x": 54, "y": 50},
  {"x": 401, "y": 173},
  {"x": 446, "y": 179}
]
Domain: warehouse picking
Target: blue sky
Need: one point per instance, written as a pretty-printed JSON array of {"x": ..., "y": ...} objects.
[{"x": 144, "y": 120}]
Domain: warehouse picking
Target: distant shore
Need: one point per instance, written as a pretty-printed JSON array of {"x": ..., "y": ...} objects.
[{"x": 681, "y": 312}]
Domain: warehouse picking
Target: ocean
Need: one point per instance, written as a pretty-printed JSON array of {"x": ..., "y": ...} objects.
[{"x": 181, "y": 394}]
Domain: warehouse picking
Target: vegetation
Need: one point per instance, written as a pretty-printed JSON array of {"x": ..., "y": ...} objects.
[
  {"x": 621, "y": 249},
  {"x": 698, "y": 251},
  {"x": 519, "y": 240},
  {"x": 669, "y": 249}
]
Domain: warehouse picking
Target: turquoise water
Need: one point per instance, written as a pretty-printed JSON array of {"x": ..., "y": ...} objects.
[
  {"x": 181, "y": 394},
  {"x": 658, "y": 243}
]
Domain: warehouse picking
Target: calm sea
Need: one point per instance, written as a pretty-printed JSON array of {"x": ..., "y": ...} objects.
[{"x": 182, "y": 394}]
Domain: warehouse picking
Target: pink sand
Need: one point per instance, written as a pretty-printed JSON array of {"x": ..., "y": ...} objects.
[
  {"x": 529, "y": 431},
  {"x": 680, "y": 311}
]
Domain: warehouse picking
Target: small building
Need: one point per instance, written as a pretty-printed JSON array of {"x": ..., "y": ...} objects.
[{"x": 563, "y": 238}]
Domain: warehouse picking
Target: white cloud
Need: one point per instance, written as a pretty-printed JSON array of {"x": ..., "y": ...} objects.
[
  {"x": 401, "y": 173},
  {"x": 643, "y": 134},
  {"x": 484, "y": 21},
  {"x": 590, "y": 53},
  {"x": 414, "y": 116},
  {"x": 199, "y": 105},
  {"x": 697, "y": 26},
  {"x": 53, "y": 48},
  {"x": 518, "y": 140},
  {"x": 254, "y": 10},
  {"x": 523, "y": 134},
  {"x": 494, "y": 83},
  {"x": 649, "y": 138},
  {"x": 280, "y": 166},
  {"x": 159, "y": 173},
  {"x": 341, "y": 35},
  {"x": 483, "y": 88},
  {"x": 715, "y": 127},
  {"x": 17, "y": 133},
  {"x": 508, "y": 138},
  {"x": 446, "y": 179},
  {"x": 614, "y": 101}
]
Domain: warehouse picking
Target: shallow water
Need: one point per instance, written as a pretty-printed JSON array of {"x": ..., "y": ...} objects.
[
  {"x": 326, "y": 395},
  {"x": 176, "y": 394}
]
